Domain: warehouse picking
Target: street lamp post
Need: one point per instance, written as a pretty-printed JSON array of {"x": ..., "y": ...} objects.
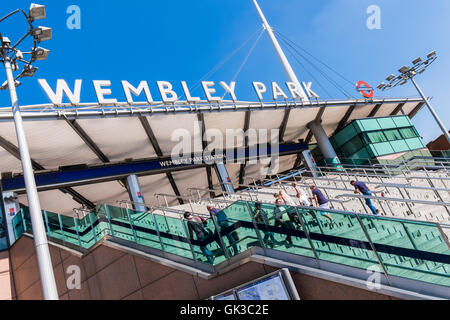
[
  {"x": 10, "y": 56},
  {"x": 408, "y": 73}
]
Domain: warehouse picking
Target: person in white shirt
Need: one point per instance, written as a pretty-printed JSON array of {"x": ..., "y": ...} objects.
[
  {"x": 301, "y": 195},
  {"x": 286, "y": 198}
]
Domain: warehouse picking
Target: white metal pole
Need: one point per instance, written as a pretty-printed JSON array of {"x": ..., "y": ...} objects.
[
  {"x": 49, "y": 289},
  {"x": 284, "y": 61},
  {"x": 436, "y": 117}
]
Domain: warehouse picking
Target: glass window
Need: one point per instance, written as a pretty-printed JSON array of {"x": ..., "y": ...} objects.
[
  {"x": 393, "y": 134},
  {"x": 387, "y": 123},
  {"x": 352, "y": 146},
  {"x": 369, "y": 124},
  {"x": 376, "y": 137},
  {"x": 408, "y": 133},
  {"x": 402, "y": 121}
]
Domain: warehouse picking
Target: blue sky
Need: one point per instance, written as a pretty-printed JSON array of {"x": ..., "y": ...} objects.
[{"x": 178, "y": 40}]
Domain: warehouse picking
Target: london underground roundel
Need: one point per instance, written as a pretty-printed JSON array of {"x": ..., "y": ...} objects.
[{"x": 365, "y": 89}]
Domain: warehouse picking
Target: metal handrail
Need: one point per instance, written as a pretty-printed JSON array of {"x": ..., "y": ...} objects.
[
  {"x": 271, "y": 193},
  {"x": 379, "y": 175},
  {"x": 393, "y": 199},
  {"x": 433, "y": 203},
  {"x": 405, "y": 186},
  {"x": 398, "y": 200}
]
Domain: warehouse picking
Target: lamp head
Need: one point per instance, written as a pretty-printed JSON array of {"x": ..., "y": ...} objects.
[
  {"x": 390, "y": 77},
  {"x": 403, "y": 69},
  {"x": 42, "y": 33},
  {"x": 431, "y": 54},
  {"x": 29, "y": 71},
  {"x": 36, "y": 12},
  {"x": 6, "y": 41},
  {"x": 39, "y": 54}
]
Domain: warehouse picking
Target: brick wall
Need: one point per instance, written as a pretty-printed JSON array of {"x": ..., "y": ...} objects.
[{"x": 107, "y": 273}]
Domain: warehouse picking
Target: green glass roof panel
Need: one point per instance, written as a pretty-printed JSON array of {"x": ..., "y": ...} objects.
[{"x": 386, "y": 123}]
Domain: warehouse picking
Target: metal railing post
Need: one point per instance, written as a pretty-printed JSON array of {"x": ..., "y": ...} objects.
[
  {"x": 23, "y": 221},
  {"x": 373, "y": 249},
  {"x": 92, "y": 226},
  {"x": 165, "y": 218},
  {"x": 256, "y": 228},
  {"x": 157, "y": 231},
  {"x": 189, "y": 240},
  {"x": 308, "y": 237},
  {"x": 224, "y": 248},
  {"x": 131, "y": 224},
  {"x": 409, "y": 235},
  {"x": 78, "y": 232},
  {"x": 443, "y": 234},
  {"x": 108, "y": 216},
  {"x": 46, "y": 221},
  {"x": 61, "y": 228}
]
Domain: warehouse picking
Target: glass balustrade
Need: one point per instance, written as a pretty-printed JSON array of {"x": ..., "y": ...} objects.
[{"x": 403, "y": 248}]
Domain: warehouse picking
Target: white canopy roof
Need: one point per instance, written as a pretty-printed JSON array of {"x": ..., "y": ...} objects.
[{"x": 90, "y": 134}]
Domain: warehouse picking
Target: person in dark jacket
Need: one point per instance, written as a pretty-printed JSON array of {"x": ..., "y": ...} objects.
[
  {"x": 222, "y": 222},
  {"x": 283, "y": 219},
  {"x": 320, "y": 201},
  {"x": 362, "y": 187},
  {"x": 261, "y": 218},
  {"x": 195, "y": 225}
]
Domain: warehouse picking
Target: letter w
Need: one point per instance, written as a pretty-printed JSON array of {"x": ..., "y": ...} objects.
[{"x": 62, "y": 87}]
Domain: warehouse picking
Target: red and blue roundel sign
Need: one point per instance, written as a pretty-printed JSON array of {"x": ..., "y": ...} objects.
[{"x": 364, "y": 89}]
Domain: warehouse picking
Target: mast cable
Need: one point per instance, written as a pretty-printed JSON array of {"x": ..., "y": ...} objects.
[
  {"x": 221, "y": 63},
  {"x": 245, "y": 59},
  {"x": 333, "y": 82},
  {"x": 315, "y": 58}
]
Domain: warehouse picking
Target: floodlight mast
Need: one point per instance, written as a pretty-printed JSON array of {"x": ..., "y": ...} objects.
[
  {"x": 408, "y": 73},
  {"x": 7, "y": 53}
]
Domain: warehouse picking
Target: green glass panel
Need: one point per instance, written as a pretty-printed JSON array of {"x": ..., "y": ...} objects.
[
  {"x": 230, "y": 241},
  {"x": 51, "y": 221},
  {"x": 409, "y": 235},
  {"x": 18, "y": 225},
  {"x": 246, "y": 234},
  {"x": 376, "y": 137},
  {"x": 210, "y": 251},
  {"x": 361, "y": 154},
  {"x": 341, "y": 240},
  {"x": 383, "y": 148},
  {"x": 402, "y": 121},
  {"x": 27, "y": 218},
  {"x": 386, "y": 123},
  {"x": 352, "y": 146},
  {"x": 173, "y": 236},
  {"x": 393, "y": 134},
  {"x": 399, "y": 146},
  {"x": 344, "y": 135},
  {"x": 86, "y": 232},
  {"x": 144, "y": 228},
  {"x": 276, "y": 232},
  {"x": 69, "y": 230},
  {"x": 408, "y": 133},
  {"x": 415, "y": 143},
  {"x": 369, "y": 124},
  {"x": 117, "y": 222},
  {"x": 356, "y": 253}
]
